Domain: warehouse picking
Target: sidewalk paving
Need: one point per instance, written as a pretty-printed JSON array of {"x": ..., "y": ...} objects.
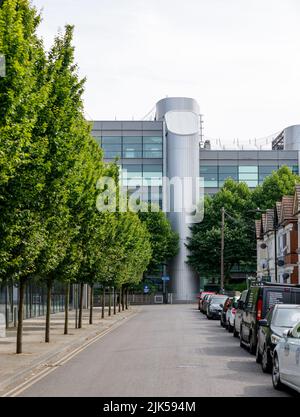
[{"x": 15, "y": 369}]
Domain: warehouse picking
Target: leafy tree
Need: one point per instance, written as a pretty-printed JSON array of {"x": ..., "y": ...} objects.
[
  {"x": 205, "y": 243},
  {"x": 274, "y": 187},
  {"x": 23, "y": 94},
  {"x": 164, "y": 241}
]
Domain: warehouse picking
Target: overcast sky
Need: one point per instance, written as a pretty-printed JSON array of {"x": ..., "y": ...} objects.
[{"x": 239, "y": 58}]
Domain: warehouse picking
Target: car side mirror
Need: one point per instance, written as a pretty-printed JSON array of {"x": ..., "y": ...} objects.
[
  {"x": 263, "y": 323},
  {"x": 221, "y": 305}
]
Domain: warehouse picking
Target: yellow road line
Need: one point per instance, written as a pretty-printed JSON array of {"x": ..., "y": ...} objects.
[{"x": 42, "y": 374}]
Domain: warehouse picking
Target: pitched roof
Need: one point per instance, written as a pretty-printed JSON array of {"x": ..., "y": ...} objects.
[
  {"x": 270, "y": 219},
  {"x": 287, "y": 206},
  {"x": 297, "y": 200}
]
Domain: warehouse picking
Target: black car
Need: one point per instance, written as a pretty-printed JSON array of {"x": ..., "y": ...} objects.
[
  {"x": 279, "y": 318},
  {"x": 260, "y": 298},
  {"x": 215, "y": 306}
]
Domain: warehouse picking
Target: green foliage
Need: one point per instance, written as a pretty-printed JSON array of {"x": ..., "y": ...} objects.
[
  {"x": 205, "y": 243},
  {"x": 164, "y": 241},
  {"x": 240, "y": 205},
  {"x": 274, "y": 187},
  {"x": 50, "y": 164}
]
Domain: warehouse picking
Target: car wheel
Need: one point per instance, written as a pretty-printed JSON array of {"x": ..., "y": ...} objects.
[
  {"x": 266, "y": 365},
  {"x": 277, "y": 384},
  {"x": 258, "y": 354},
  {"x": 252, "y": 346}
]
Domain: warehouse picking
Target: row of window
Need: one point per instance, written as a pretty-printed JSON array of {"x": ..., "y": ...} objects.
[
  {"x": 131, "y": 146},
  {"x": 215, "y": 176},
  {"x": 142, "y": 175}
]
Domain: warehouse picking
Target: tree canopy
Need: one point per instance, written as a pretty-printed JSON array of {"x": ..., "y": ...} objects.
[{"x": 240, "y": 212}]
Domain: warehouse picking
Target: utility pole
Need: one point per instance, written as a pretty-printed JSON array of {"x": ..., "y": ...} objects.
[
  {"x": 275, "y": 249},
  {"x": 222, "y": 250}
]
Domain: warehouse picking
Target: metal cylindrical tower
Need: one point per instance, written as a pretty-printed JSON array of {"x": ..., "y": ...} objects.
[{"x": 181, "y": 118}]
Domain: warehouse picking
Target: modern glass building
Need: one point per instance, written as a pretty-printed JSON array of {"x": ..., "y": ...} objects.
[
  {"x": 170, "y": 145},
  {"x": 251, "y": 167},
  {"x": 139, "y": 149}
]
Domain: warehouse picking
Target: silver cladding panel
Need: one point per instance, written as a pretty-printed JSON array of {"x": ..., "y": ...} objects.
[
  {"x": 292, "y": 138},
  {"x": 182, "y": 161}
]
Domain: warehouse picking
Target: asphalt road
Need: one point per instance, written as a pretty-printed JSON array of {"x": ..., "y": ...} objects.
[{"x": 162, "y": 351}]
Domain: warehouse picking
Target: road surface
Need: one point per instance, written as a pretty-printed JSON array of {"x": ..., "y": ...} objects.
[{"x": 168, "y": 351}]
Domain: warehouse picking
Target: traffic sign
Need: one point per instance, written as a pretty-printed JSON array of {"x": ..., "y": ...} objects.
[{"x": 165, "y": 278}]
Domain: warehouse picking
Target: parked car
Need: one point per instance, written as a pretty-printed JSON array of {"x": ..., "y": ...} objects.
[
  {"x": 227, "y": 305},
  {"x": 205, "y": 302},
  {"x": 201, "y": 297},
  {"x": 230, "y": 314},
  {"x": 215, "y": 306},
  {"x": 260, "y": 298},
  {"x": 286, "y": 360},
  {"x": 239, "y": 313},
  {"x": 279, "y": 318}
]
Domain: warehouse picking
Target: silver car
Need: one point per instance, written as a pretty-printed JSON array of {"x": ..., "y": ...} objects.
[{"x": 286, "y": 360}]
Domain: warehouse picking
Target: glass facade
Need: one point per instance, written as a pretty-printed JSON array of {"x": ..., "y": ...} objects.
[
  {"x": 253, "y": 175},
  {"x": 131, "y": 147}
]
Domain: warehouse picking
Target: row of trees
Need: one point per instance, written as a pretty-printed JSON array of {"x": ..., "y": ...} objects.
[
  {"x": 49, "y": 168},
  {"x": 240, "y": 204}
]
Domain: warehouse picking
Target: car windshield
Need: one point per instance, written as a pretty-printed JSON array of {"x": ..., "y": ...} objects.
[
  {"x": 218, "y": 300},
  {"x": 286, "y": 317}
]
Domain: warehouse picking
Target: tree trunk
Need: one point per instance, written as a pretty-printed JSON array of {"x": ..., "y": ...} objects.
[
  {"x": 67, "y": 302},
  {"x": 109, "y": 302},
  {"x": 80, "y": 305},
  {"x": 91, "y": 303},
  {"x": 115, "y": 304},
  {"x": 126, "y": 298},
  {"x": 123, "y": 301},
  {"x": 48, "y": 311},
  {"x": 103, "y": 303},
  {"x": 120, "y": 296},
  {"x": 22, "y": 288}
]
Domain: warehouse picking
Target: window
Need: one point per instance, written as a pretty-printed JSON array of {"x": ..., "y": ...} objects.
[
  {"x": 152, "y": 147},
  {"x": 249, "y": 175},
  {"x": 208, "y": 170},
  {"x": 231, "y": 169},
  {"x": 224, "y": 177},
  {"x": 152, "y": 175},
  {"x": 112, "y": 146},
  {"x": 210, "y": 183},
  {"x": 133, "y": 175},
  {"x": 132, "y": 147},
  {"x": 112, "y": 140},
  {"x": 248, "y": 169},
  {"x": 267, "y": 169}
]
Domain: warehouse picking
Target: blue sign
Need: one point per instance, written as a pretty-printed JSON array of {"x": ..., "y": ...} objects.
[
  {"x": 146, "y": 289},
  {"x": 165, "y": 278}
]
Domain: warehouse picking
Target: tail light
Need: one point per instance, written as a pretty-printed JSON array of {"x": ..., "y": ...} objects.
[
  {"x": 259, "y": 309},
  {"x": 233, "y": 310}
]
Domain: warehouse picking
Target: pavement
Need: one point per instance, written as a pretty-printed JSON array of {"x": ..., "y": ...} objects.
[
  {"x": 38, "y": 356},
  {"x": 163, "y": 351}
]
